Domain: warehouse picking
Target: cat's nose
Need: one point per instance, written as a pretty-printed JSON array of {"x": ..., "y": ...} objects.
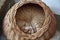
[{"x": 28, "y": 27}]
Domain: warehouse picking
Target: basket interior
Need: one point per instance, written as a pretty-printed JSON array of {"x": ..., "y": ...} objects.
[{"x": 30, "y": 18}]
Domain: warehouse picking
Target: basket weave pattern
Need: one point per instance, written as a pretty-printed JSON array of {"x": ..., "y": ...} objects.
[{"x": 12, "y": 31}]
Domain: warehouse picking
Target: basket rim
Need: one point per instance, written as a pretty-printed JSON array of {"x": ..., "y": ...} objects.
[{"x": 45, "y": 24}]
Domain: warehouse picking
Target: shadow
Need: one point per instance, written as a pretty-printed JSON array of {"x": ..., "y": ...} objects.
[{"x": 58, "y": 22}]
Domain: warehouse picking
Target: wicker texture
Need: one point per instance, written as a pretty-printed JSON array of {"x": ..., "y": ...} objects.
[{"x": 14, "y": 19}]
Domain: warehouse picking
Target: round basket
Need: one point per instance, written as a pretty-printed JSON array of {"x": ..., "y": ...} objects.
[{"x": 29, "y": 20}]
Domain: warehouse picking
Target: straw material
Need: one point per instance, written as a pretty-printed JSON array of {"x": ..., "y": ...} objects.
[{"x": 29, "y": 20}]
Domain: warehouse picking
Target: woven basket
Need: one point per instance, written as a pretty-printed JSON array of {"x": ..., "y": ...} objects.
[{"x": 29, "y": 20}]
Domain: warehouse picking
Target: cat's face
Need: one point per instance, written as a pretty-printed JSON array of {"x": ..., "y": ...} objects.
[{"x": 26, "y": 27}]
